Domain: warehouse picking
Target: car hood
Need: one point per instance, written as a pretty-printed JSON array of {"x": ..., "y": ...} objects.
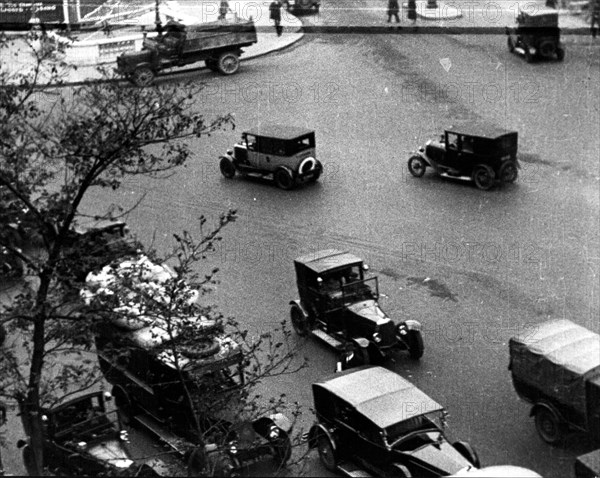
[
  {"x": 502, "y": 471},
  {"x": 369, "y": 309},
  {"x": 112, "y": 452},
  {"x": 441, "y": 456}
]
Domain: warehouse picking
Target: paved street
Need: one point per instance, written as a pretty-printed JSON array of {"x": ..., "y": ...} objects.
[{"x": 498, "y": 261}]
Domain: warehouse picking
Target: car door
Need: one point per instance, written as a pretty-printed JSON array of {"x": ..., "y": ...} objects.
[
  {"x": 253, "y": 148},
  {"x": 451, "y": 158}
]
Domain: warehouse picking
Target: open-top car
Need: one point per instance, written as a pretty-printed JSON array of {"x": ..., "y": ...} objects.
[
  {"x": 537, "y": 35},
  {"x": 373, "y": 422},
  {"x": 82, "y": 438},
  {"x": 284, "y": 153},
  {"x": 338, "y": 304},
  {"x": 484, "y": 154}
]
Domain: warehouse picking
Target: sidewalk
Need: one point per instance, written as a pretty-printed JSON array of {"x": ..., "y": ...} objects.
[{"x": 20, "y": 56}]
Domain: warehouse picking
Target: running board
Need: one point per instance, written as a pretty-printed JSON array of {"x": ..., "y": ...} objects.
[
  {"x": 462, "y": 178},
  {"x": 328, "y": 339},
  {"x": 176, "y": 443},
  {"x": 350, "y": 469}
]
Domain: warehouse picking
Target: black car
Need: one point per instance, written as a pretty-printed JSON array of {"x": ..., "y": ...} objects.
[
  {"x": 537, "y": 35},
  {"x": 81, "y": 438},
  {"x": 338, "y": 305},
  {"x": 482, "y": 153},
  {"x": 371, "y": 421}
]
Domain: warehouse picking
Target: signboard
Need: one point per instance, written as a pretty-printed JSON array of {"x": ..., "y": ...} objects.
[{"x": 21, "y": 12}]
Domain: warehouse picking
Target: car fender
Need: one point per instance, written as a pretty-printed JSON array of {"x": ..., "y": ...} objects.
[
  {"x": 298, "y": 304},
  {"x": 286, "y": 168},
  {"x": 412, "y": 324},
  {"x": 360, "y": 342},
  {"x": 281, "y": 421},
  {"x": 548, "y": 406},
  {"x": 314, "y": 433},
  {"x": 227, "y": 156}
]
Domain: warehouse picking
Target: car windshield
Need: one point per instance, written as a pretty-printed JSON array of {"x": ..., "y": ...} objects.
[{"x": 420, "y": 424}]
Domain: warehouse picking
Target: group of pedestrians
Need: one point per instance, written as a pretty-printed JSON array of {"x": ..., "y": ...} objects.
[
  {"x": 394, "y": 9},
  {"x": 274, "y": 13}
]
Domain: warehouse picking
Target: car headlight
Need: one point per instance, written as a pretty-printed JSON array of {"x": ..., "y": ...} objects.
[
  {"x": 273, "y": 432},
  {"x": 81, "y": 445},
  {"x": 376, "y": 337},
  {"x": 123, "y": 435},
  {"x": 233, "y": 448},
  {"x": 402, "y": 329}
]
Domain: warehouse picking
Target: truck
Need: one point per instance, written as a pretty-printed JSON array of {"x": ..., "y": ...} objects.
[
  {"x": 556, "y": 368},
  {"x": 219, "y": 44}
]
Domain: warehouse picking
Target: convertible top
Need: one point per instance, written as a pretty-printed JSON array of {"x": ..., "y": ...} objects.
[
  {"x": 279, "y": 131},
  {"x": 540, "y": 18},
  {"x": 381, "y": 396},
  {"x": 327, "y": 259},
  {"x": 480, "y": 130}
]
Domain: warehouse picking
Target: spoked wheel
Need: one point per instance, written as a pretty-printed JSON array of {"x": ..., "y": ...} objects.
[
  {"x": 228, "y": 63},
  {"x": 509, "y": 172},
  {"x": 483, "y": 176},
  {"x": 326, "y": 452},
  {"x": 549, "y": 426},
  {"x": 299, "y": 321},
  {"x": 227, "y": 168},
  {"x": 417, "y": 166},
  {"x": 143, "y": 76},
  {"x": 283, "y": 179},
  {"x": 415, "y": 344}
]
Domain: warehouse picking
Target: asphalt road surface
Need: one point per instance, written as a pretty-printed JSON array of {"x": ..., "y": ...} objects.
[{"x": 497, "y": 262}]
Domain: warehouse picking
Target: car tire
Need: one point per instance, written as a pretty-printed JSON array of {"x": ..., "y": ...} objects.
[
  {"x": 560, "y": 54},
  {"x": 142, "y": 76},
  {"x": 29, "y": 461},
  {"x": 227, "y": 168},
  {"x": 547, "y": 49},
  {"x": 307, "y": 165},
  {"x": 415, "y": 344},
  {"x": 483, "y": 176},
  {"x": 125, "y": 409},
  {"x": 511, "y": 44},
  {"x": 549, "y": 426},
  {"x": 528, "y": 55},
  {"x": 201, "y": 349},
  {"x": 228, "y": 63},
  {"x": 508, "y": 172},
  {"x": 282, "y": 449},
  {"x": 283, "y": 179},
  {"x": 417, "y": 166},
  {"x": 319, "y": 168},
  {"x": 299, "y": 321},
  {"x": 466, "y": 450},
  {"x": 327, "y": 452}
]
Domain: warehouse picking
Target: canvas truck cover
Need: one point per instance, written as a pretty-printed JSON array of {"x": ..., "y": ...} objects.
[
  {"x": 556, "y": 358},
  {"x": 214, "y": 35}
]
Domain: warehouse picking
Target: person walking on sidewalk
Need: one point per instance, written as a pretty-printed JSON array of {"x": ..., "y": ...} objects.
[
  {"x": 412, "y": 10},
  {"x": 392, "y": 11},
  {"x": 275, "y": 15}
]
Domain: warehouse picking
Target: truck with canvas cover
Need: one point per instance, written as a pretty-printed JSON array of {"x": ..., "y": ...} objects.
[
  {"x": 218, "y": 44},
  {"x": 556, "y": 367}
]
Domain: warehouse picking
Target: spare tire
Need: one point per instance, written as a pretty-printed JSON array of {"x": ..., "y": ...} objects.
[
  {"x": 307, "y": 165},
  {"x": 201, "y": 349}
]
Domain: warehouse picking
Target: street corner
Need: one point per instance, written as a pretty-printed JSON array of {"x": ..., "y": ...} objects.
[{"x": 435, "y": 10}]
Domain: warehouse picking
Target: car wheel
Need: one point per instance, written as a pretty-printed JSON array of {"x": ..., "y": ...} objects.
[
  {"x": 200, "y": 349},
  {"x": 547, "y": 49},
  {"x": 228, "y": 63},
  {"x": 560, "y": 54},
  {"x": 466, "y": 450},
  {"x": 415, "y": 344},
  {"x": 548, "y": 425},
  {"x": 509, "y": 172},
  {"x": 143, "y": 76},
  {"x": 125, "y": 409},
  {"x": 282, "y": 449},
  {"x": 299, "y": 321},
  {"x": 483, "y": 176},
  {"x": 327, "y": 452},
  {"x": 29, "y": 461},
  {"x": 283, "y": 179},
  {"x": 227, "y": 168},
  {"x": 319, "y": 171},
  {"x": 417, "y": 166},
  {"x": 528, "y": 55},
  {"x": 511, "y": 44}
]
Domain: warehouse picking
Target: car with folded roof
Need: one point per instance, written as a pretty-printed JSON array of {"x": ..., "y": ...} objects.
[
  {"x": 285, "y": 154},
  {"x": 482, "y": 153},
  {"x": 373, "y": 422}
]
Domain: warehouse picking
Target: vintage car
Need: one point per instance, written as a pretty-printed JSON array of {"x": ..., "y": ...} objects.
[
  {"x": 373, "y": 422},
  {"x": 536, "y": 36},
  {"x": 146, "y": 372},
  {"x": 485, "y": 154},
  {"x": 556, "y": 367},
  {"x": 284, "y": 153},
  {"x": 82, "y": 438},
  {"x": 338, "y": 305},
  {"x": 302, "y": 5}
]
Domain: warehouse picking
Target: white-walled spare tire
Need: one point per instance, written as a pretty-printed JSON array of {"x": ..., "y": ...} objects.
[{"x": 307, "y": 165}]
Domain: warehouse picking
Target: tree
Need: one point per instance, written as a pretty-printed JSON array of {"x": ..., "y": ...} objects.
[{"x": 51, "y": 155}]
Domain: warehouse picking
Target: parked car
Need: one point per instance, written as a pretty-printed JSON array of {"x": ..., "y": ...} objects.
[
  {"x": 556, "y": 368},
  {"x": 138, "y": 361},
  {"x": 484, "y": 154},
  {"x": 536, "y": 36},
  {"x": 82, "y": 438},
  {"x": 338, "y": 304},
  {"x": 284, "y": 153},
  {"x": 371, "y": 421},
  {"x": 302, "y": 5}
]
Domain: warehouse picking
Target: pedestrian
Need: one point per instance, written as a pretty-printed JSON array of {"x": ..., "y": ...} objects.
[
  {"x": 275, "y": 15},
  {"x": 595, "y": 18},
  {"x": 392, "y": 11},
  {"x": 412, "y": 10},
  {"x": 223, "y": 9}
]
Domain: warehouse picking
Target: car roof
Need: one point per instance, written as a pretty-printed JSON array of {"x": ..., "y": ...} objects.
[
  {"x": 278, "y": 131},
  {"x": 479, "y": 130},
  {"x": 542, "y": 12},
  {"x": 380, "y": 395},
  {"x": 327, "y": 259},
  {"x": 71, "y": 401}
]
